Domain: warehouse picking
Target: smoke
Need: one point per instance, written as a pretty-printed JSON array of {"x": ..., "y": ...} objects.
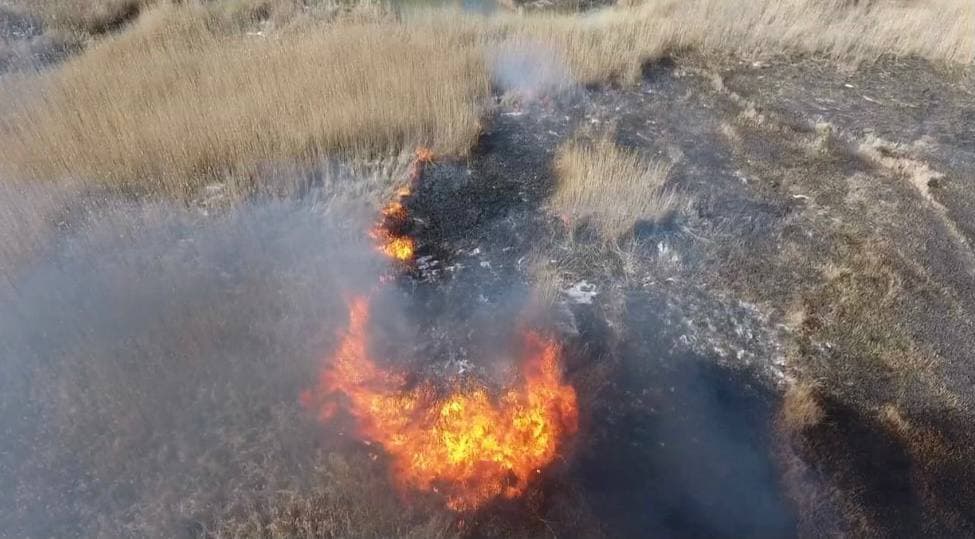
[
  {"x": 152, "y": 356},
  {"x": 529, "y": 71},
  {"x": 26, "y": 45},
  {"x": 679, "y": 445}
]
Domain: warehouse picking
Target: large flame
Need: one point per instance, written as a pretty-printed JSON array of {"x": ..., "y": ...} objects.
[{"x": 468, "y": 446}]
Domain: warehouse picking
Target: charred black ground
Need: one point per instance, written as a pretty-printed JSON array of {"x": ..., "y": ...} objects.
[
  {"x": 674, "y": 443},
  {"x": 784, "y": 274}
]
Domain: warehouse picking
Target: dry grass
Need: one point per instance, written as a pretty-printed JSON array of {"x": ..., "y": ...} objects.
[
  {"x": 29, "y": 215},
  {"x": 801, "y": 408},
  {"x": 851, "y": 31},
  {"x": 189, "y": 99},
  {"x": 152, "y": 422},
  {"x": 351, "y": 498},
  {"x": 25, "y": 43},
  {"x": 96, "y": 17},
  {"x": 547, "y": 286},
  {"x": 896, "y": 159},
  {"x": 616, "y": 43},
  {"x": 186, "y": 92},
  {"x": 609, "y": 187}
]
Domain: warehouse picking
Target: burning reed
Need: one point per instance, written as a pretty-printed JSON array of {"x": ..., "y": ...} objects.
[{"x": 465, "y": 446}]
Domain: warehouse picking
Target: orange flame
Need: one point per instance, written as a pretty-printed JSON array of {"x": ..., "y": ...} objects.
[
  {"x": 400, "y": 248},
  {"x": 469, "y": 447},
  {"x": 396, "y": 246},
  {"x": 424, "y": 154},
  {"x": 393, "y": 244}
]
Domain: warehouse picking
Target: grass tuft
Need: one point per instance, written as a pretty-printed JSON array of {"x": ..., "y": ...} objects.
[
  {"x": 609, "y": 187},
  {"x": 801, "y": 408}
]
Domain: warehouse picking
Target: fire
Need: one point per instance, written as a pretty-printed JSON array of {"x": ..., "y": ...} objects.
[
  {"x": 390, "y": 231},
  {"x": 400, "y": 248},
  {"x": 424, "y": 154},
  {"x": 468, "y": 446}
]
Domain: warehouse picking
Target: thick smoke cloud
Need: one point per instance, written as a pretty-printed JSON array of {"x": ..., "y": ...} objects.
[{"x": 152, "y": 357}]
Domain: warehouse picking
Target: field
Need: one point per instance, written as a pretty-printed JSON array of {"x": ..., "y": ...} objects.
[{"x": 748, "y": 225}]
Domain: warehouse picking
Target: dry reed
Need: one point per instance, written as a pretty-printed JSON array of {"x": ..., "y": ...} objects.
[
  {"x": 182, "y": 94},
  {"x": 609, "y": 187}
]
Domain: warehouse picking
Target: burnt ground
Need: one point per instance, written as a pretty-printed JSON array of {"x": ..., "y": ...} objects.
[
  {"x": 825, "y": 241},
  {"x": 25, "y": 44}
]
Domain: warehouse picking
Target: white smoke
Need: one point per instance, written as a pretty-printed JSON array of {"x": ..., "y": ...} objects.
[{"x": 529, "y": 71}]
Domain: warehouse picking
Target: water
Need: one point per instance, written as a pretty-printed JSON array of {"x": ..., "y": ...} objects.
[{"x": 476, "y": 7}]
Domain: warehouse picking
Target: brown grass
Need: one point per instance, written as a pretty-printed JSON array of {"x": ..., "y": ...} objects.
[
  {"x": 547, "y": 285},
  {"x": 850, "y": 31},
  {"x": 96, "y": 17},
  {"x": 351, "y": 499},
  {"x": 186, "y": 92},
  {"x": 615, "y": 43},
  {"x": 801, "y": 408},
  {"x": 188, "y": 100},
  {"x": 168, "y": 429},
  {"x": 609, "y": 187},
  {"x": 172, "y": 391}
]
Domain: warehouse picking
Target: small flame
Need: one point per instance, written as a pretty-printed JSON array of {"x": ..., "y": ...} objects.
[
  {"x": 467, "y": 446},
  {"x": 424, "y": 154},
  {"x": 401, "y": 248},
  {"x": 388, "y": 232}
]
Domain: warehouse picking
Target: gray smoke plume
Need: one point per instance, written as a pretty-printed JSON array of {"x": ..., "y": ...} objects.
[
  {"x": 529, "y": 71},
  {"x": 152, "y": 356}
]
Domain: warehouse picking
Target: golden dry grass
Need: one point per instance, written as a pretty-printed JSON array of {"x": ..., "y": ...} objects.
[
  {"x": 29, "y": 212},
  {"x": 101, "y": 16},
  {"x": 352, "y": 499},
  {"x": 609, "y": 187},
  {"x": 615, "y": 43},
  {"x": 188, "y": 92},
  {"x": 851, "y": 31},
  {"x": 184, "y": 415},
  {"x": 186, "y": 100}
]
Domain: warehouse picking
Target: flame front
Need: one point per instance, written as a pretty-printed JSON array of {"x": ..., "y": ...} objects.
[
  {"x": 468, "y": 446},
  {"x": 395, "y": 245},
  {"x": 400, "y": 248},
  {"x": 390, "y": 231}
]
